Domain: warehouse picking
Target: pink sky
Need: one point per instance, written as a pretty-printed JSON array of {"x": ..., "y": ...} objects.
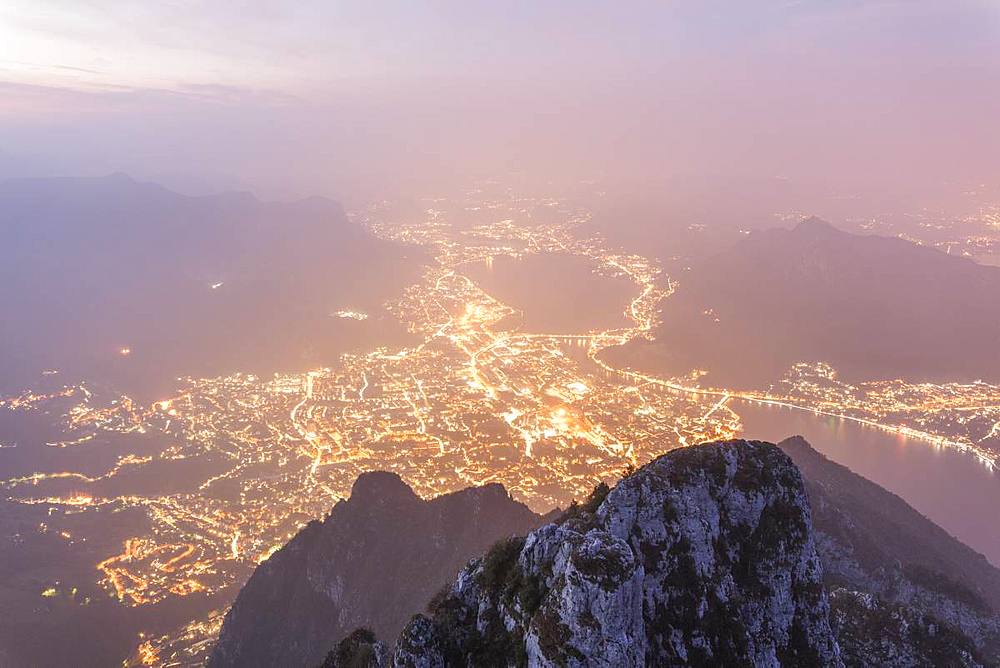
[{"x": 350, "y": 97}]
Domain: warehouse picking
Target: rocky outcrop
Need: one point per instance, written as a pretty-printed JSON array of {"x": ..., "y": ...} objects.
[
  {"x": 874, "y": 632},
  {"x": 705, "y": 556},
  {"x": 378, "y": 557},
  {"x": 361, "y": 649}
]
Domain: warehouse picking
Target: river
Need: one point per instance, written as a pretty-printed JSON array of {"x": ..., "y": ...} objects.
[{"x": 951, "y": 488}]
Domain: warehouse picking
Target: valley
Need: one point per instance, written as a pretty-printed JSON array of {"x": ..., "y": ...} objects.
[{"x": 242, "y": 461}]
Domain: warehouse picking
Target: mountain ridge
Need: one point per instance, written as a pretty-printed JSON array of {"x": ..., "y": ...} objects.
[
  {"x": 675, "y": 563},
  {"x": 189, "y": 286},
  {"x": 378, "y": 556},
  {"x": 873, "y": 307},
  {"x": 120, "y": 178}
]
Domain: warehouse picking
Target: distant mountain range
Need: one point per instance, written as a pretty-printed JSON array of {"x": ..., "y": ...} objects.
[
  {"x": 734, "y": 553},
  {"x": 873, "y": 307},
  {"x": 130, "y": 282}
]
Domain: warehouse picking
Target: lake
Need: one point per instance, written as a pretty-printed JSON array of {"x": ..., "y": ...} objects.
[
  {"x": 951, "y": 488},
  {"x": 549, "y": 290}
]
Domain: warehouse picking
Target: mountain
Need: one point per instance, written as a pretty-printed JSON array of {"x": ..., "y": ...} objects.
[
  {"x": 731, "y": 553},
  {"x": 705, "y": 556},
  {"x": 873, "y": 307},
  {"x": 377, "y": 558},
  {"x": 887, "y": 565},
  {"x": 199, "y": 286}
]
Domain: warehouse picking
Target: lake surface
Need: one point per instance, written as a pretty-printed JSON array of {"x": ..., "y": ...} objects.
[
  {"x": 949, "y": 487},
  {"x": 549, "y": 290}
]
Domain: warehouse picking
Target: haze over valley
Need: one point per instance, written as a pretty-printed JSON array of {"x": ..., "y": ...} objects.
[{"x": 114, "y": 280}]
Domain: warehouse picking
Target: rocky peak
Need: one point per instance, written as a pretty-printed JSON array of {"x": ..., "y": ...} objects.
[
  {"x": 705, "y": 556},
  {"x": 814, "y": 227},
  {"x": 380, "y": 488},
  {"x": 378, "y": 556}
]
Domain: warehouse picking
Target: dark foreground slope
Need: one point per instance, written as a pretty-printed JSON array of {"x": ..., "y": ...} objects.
[
  {"x": 89, "y": 266},
  {"x": 873, "y": 307},
  {"x": 377, "y": 558}
]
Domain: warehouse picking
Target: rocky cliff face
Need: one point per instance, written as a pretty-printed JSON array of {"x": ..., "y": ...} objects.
[
  {"x": 706, "y": 556},
  {"x": 377, "y": 558}
]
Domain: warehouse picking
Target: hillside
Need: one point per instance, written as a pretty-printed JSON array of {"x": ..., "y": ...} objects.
[
  {"x": 200, "y": 286},
  {"x": 873, "y": 307},
  {"x": 377, "y": 558},
  {"x": 871, "y": 541}
]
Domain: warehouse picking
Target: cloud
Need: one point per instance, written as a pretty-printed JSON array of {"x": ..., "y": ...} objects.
[{"x": 48, "y": 66}]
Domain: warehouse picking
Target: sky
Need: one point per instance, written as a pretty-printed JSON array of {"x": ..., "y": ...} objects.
[{"x": 352, "y": 99}]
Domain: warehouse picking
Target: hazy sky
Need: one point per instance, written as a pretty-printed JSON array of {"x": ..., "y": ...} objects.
[{"x": 345, "y": 98}]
